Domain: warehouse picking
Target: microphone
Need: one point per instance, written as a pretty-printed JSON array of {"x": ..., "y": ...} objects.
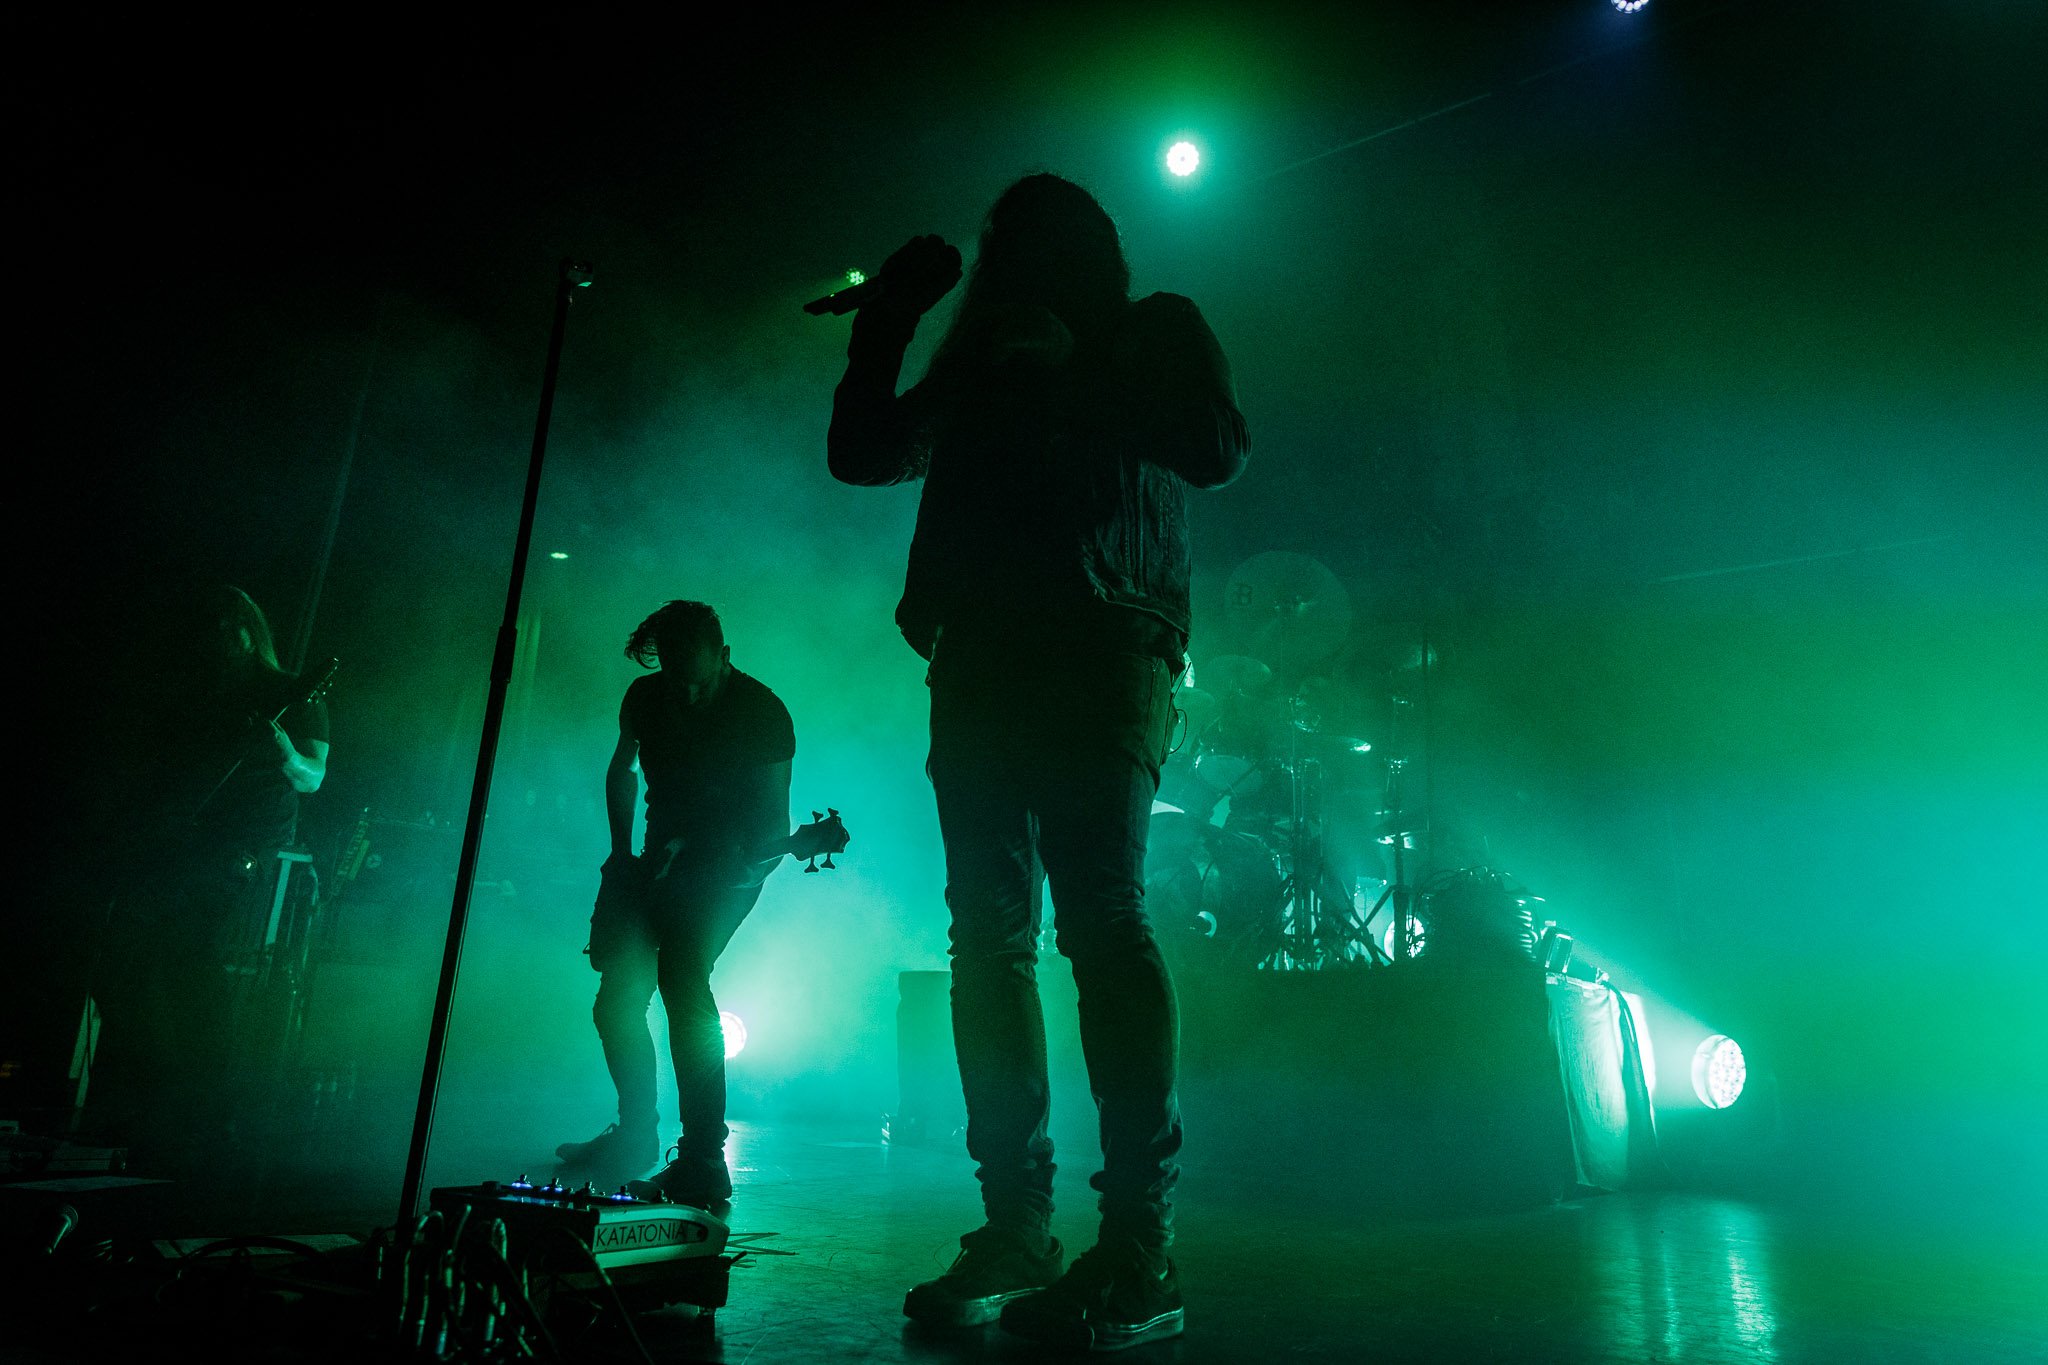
[
  {"x": 847, "y": 299},
  {"x": 53, "y": 1227}
]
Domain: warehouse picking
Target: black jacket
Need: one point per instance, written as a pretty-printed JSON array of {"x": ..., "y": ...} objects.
[{"x": 1055, "y": 485}]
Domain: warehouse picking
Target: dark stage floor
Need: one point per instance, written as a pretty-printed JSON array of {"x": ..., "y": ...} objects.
[{"x": 1274, "y": 1269}]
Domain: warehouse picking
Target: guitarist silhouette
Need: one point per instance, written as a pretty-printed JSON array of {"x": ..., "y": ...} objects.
[
  {"x": 714, "y": 746},
  {"x": 210, "y": 746}
]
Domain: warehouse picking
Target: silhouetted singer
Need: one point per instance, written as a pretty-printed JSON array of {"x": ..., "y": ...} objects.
[{"x": 1057, "y": 431}]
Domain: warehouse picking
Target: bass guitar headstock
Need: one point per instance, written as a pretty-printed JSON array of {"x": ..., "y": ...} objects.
[{"x": 823, "y": 837}]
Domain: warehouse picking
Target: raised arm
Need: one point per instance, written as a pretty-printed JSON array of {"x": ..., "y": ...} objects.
[
  {"x": 874, "y": 438},
  {"x": 1183, "y": 406},
  {"x": 878, "y": 437}
]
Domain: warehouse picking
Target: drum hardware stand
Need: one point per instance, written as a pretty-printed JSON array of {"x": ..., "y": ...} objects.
[
  {"x": 1398, "y": 891},
  {"x": 573, "y": 276},
  {"x": 1399, "y": 825},
  {"x": 1300, "y": 931},
  {"x": 1303, "y": 888}
]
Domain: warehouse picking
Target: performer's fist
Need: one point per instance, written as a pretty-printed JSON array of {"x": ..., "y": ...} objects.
[{"x": 920, "y": 273}]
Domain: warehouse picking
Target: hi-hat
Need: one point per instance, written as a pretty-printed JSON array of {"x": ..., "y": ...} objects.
[{"x": 1288, "y": 608}]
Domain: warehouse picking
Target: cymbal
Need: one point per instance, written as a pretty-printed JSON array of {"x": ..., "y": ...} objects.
[
  {"x": 1230, "y": 674},
  {"x": 1288, "y": 607},
  {"x": 1315, "y": 741},
  {"x": 1332, "y": 754}
]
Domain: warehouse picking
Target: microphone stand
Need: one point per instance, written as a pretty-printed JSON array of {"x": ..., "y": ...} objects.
[{"x": 574, "y": 276}]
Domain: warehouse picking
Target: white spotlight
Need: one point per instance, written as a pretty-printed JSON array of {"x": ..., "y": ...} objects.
[
  {"x": 1182, "y": 158},
  {"x": 1718, "y": 1071},
  {"x": 735, "y": 1031}
]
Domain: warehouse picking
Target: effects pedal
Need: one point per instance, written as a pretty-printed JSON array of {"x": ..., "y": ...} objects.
[{"x": 654, "y": 1253}]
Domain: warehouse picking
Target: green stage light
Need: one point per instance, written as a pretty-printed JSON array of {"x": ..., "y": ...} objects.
[
  {"x": 1718, "y": 1071},
  {"x": 558, "y": 554},
  {"x": 1183, "y": 157},
  {"x": 856, "y": 277},
  {"x": 735, "y": 1031}
]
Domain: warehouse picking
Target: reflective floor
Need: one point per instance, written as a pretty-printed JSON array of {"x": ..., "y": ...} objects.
[
  {"x": 1335, "y": 1268},
  {"x": 1272, "y": 1272}
]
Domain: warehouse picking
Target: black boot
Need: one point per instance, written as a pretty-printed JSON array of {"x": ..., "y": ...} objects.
[
  {"x": 995, "y": 1266},
  {"x": 1116, "y": 1294},
  {"x": 699, "y": 1181},
  {"x": 620, "y": 1152}
]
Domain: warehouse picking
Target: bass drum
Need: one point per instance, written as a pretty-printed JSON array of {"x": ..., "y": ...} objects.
[{"x": 1211, "y": 894}]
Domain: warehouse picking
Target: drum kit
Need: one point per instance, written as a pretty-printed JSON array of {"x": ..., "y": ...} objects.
[{"x": 1284, "y": 832}]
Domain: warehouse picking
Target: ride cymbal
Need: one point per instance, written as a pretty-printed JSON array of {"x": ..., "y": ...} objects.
[{"x": 1288, "y": 608}]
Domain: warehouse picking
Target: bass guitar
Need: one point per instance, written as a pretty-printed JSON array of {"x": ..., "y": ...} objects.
[{"x": 824, "y": 836}]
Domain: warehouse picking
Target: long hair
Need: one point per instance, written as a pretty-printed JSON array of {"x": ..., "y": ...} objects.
[
  {"x": 237, "y": 612},
  {"x": 1048, "y": 244},
  {"x": 676, "y": 623}
]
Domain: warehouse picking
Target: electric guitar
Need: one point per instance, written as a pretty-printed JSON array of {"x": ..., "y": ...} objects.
[{"x": 307, "y": 695}]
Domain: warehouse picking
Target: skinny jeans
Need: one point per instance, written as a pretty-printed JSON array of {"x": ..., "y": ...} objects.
[{"x": 1045, "y": 771}]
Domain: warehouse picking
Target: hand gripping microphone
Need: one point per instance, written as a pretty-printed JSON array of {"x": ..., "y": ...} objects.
[{"x": 847, "y": 299}]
